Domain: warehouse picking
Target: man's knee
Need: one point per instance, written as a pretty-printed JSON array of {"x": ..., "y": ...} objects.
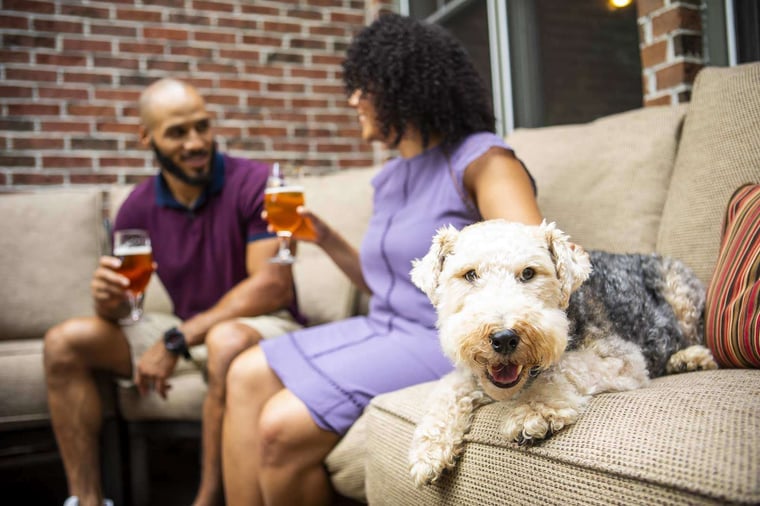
[
  {"x": 60, "y": 342},
  {"x": 224, "y": 342}
]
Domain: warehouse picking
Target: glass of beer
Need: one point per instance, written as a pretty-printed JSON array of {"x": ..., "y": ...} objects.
[
  {"x": 280, "y": 202},
  {"x": 132, "y": 247}
]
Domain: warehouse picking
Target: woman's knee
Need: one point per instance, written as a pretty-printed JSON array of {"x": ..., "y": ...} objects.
[
  {"x": 246, "y": 375},
  {"x": 224, "y": 342}
]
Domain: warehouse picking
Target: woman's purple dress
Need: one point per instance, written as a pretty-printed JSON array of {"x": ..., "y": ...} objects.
[{"x": 337, "y": 368}]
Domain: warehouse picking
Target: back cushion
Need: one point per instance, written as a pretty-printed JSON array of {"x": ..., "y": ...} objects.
[
  {"x": 604, "y": 182},
  {"x": 49, "y": 248},
  {"x": 718, "y": 153},
  {"x": 343, "y": 199}
]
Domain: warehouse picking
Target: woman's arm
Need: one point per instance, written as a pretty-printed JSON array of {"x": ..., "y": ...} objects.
[{"x": 501, "y": 188}]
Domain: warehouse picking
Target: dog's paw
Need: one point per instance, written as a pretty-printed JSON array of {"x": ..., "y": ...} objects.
[
  {"x": 528, "y": 423},
  {"x": 429, "y": 458},
  {"x": 693, "y": 358}
]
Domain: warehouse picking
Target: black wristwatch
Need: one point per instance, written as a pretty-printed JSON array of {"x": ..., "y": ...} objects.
[{"x": 175, "y": 342}]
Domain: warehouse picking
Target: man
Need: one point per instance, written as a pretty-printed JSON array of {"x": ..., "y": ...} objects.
[{"x": 211, "y": 248}]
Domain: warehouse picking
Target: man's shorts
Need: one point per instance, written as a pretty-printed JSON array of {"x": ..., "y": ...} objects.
[{"x": 151, "y": 327}]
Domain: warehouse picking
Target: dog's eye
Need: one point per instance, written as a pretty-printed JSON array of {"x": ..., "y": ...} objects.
[
  {"x": 527, "y": 274},
  {"x": 471, "y": 275}
]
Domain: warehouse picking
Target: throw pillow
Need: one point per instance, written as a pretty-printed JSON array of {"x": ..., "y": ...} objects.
[{"x": 732, "y": 312}]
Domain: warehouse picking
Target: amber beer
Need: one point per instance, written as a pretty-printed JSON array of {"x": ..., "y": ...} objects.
[
  {"x": 136, "y": 264},
  {"x": 280, "y": 204}
]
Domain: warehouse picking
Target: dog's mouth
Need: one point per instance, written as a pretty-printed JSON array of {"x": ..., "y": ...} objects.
[{"x": 504, "y": 375}]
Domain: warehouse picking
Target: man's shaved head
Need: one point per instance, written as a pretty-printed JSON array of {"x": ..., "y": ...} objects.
[{"x": 164, "y": 96}]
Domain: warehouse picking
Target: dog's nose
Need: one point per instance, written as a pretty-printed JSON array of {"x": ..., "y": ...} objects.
[{"x": 504, "y": 342}]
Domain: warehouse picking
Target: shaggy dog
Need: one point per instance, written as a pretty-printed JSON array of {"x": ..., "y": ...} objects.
[{"x": 532, "y": 320}]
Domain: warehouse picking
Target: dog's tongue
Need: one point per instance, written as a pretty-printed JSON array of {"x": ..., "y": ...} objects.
[{"x": 505, "y": 373}]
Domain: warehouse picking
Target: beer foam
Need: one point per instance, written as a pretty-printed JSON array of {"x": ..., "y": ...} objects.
[
  {"x": 285, "y": 189},
  {"x": 127, "y": 249}
]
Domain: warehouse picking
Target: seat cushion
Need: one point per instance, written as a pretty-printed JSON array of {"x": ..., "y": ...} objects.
[
  {"x": 732, "y": 312},
  {"x": 605, "y": 182},
  {"x": 686, "y": 439},
  {"x": 719, "y": 152},
  {"x": 49, "y": 248}
]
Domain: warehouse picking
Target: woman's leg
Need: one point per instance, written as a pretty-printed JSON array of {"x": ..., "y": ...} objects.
[
  {"x": 272, "y": 449},
  {"x": 293, "y": 449},
  {"x": 250, "y": 384},
  {"x": 224, "y": 342}
]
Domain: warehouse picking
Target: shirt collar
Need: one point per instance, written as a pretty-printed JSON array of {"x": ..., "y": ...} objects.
[{"x": 164, "y": 197}]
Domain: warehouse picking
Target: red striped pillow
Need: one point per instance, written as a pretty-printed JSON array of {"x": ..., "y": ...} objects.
[{"x": 732, "y": 308}]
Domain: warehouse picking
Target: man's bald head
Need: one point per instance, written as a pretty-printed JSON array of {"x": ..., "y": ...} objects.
[{"x": 165, "y": 96}]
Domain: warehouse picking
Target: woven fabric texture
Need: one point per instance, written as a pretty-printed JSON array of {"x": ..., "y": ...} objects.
[
  {"x": 732, "y": 310},
  {"x": 719, "y": 152},
  {"x": 605, "y": 182},
  {"x": 649, "y": 446}
]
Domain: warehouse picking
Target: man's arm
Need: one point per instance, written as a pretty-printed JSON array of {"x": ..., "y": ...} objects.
[{"x": 267, "y": 288}]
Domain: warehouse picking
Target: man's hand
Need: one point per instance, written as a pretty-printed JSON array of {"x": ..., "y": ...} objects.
[
  {"x": 154, "y": 368},
  {"x": 108, "y": 287}
]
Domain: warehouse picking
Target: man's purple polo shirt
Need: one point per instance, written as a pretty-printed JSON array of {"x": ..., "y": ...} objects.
[{"x": 201, "y": 252}]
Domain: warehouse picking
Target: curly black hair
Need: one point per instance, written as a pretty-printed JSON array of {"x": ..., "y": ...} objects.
[{"x": 418, "y": 74}]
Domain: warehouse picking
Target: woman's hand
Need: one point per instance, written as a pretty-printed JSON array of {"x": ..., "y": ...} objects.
[{"x": 311, "y": 229}]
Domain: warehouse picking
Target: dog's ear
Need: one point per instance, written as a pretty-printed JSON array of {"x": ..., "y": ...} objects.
[
  {"x": 571, "y": 261},
  {"x": 426, "y": 271}
]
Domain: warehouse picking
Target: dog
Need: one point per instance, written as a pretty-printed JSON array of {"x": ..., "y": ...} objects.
[{"x": 532, "y": 320}]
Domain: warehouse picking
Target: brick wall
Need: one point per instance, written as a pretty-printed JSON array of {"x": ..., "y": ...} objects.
[
  {"x": 670, "y": 34},
  {"x": 270, "y": 70}
]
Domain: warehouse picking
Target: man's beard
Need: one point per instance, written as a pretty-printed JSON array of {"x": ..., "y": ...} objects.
[{"x": 166, "y": 163}]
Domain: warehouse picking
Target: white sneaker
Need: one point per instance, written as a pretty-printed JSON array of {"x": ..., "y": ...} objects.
[{"x": 74, "y": 501}]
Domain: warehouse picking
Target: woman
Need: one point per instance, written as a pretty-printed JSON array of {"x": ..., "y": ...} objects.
[{"x": 291, "y": 398}]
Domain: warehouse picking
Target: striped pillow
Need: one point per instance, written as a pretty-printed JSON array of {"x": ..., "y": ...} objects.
[{"x": 732, "y": 308}]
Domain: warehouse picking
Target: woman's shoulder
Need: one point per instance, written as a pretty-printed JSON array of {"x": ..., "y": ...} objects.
[{"x": 474, "y": 146}]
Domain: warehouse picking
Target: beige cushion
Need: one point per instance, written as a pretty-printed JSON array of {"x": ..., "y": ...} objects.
[
  {"x": 345, "y": 463},
  {"x": 23, "y": 395},
  {"x": 343, "y": 199},
  {"x": 604, "y": 182},
  {"x": 685, "y": 439},
  {"x": 719, "y": 151},
  {"x": 49, "y": 250}
]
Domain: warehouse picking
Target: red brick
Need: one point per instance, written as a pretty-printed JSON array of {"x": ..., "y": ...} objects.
[
  {"x": 221, "y": 99},
  {"x": 655, "y": 54},
  {"x": 33, "y": 109},
  {"x": 26, "y": 74},
  {"x": 64, "y": 93},
  {"x": 164, "y": 33},
  {"x": 218, "y": 68},
  {"x": 84, "y": 11},
  {"x": 141, "y": 48},
  {"x": 93, "y": 178},
  {"x": 228, "y": 131},
  {"x": 57, "y": 26},
  {"x": 679, "y": 18},
  {"x": 122, "y": 162},
  {"x": 240, "y": 84},
  {"x": 87, "y": 77},
  {"x": 305, "y": 14},
  {"x": 64, "y": 60},
  {"x": 9, "y": 56},
  {"x": 114, "y": 30},
  {"x": 329, "y": 30},
  {"x": 342, "y": 17},
  {"x": 117, "y": 95},
  {"x": 194, "y": 52},
  {"x": 138, "y": 15},
  {"x": 121, "y": 128},
  {"x": 268, "y": 131},
  {"x": 38, "y": 178},
  {"x": 91, "y": 110},
  {"x": 664, "y": 100},
  {"x": 9, "y": 160},
  {"x": 645, "y": 7},
  {"x": 96, "y": 144},
  {"x": 14, "y": 22},
  {"x": 218, "y": 37},
  {"x": 212, "y": 6},
  {"x": 324, "y": 147},
  {"x": 169, "y": 66},
  {"x": 88, "y": 45},
  {"x": 30, "y": 6},
  {"x": 64, "y": 126},
  {"x": 119, "y": 63},
  {"x": 16, "y": 125},
  {"x": 37, "y": 143},
  {"x": 66, "y": 162},
  {"x": 259, "y": 10},
  {"x": 278, "y": 26},
  {"x": 189, "y": 19},
  {"x": 307, "y": 43},
  {"x": 285, "y": 87},
  {"x": 326, "y": 60},
  {"x": 309, "y": 73},
  {"x": 35, "y": 41},
  {"x": 241, "y": 24},
  {"x": 264, "y": 70},
  {"x": 678, "y": 73},
  {"x": 15, "y": 92},
  {"x": 260, "y": 101},
  {"x": 261, "y": 40}
]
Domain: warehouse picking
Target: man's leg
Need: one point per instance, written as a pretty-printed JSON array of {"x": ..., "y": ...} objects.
[
  {"x": 224, "y": 342},
  {"x": 73, "y": 351}
]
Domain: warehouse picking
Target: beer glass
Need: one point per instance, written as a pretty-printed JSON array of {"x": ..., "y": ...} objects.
[
  {"x": 280, "y": 202},
  {"x": 132, "y": 247}
]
